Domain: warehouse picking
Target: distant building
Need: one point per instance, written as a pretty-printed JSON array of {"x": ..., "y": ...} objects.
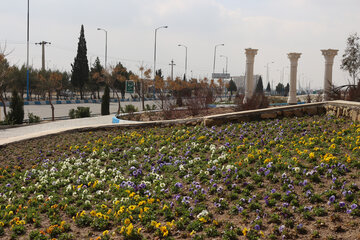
[{"x": 240, "y": 82}]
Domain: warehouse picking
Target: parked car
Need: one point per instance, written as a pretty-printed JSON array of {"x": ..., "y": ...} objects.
[{"x": 67, "y": 93}]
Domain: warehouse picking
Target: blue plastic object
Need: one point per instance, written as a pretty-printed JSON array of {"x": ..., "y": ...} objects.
[{"x": 115, "y": 120}]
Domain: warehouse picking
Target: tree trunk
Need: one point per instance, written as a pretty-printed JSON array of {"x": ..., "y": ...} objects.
[
  {"x": 52, "y": 108},
  {"x": 143, "y": 95},
  {"x": 119, "y": 103},
  {"x": 3, "y": 102},
  {"x": 22, "y": 94},
  {"x": 162, "y": 100}
]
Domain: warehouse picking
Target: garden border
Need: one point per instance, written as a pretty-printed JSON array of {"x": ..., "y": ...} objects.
[{"x": 335, "y": 108}]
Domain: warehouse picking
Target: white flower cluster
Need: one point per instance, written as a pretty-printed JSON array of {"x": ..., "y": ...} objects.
[{"x": 203, "y": 213}]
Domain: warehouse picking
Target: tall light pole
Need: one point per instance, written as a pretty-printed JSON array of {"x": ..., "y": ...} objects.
[
  {"x": 155, "y": 52},
  {"x": 180, "y": 45},
  {"x": 226, "y": 68},
  {"x": 215, "y": 54},
  {"x": 27, "y": 55},
  {"x": 105, "y": 45}
]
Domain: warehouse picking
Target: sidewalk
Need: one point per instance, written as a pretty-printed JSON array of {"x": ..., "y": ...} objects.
[{"x": 27, "y": 132}]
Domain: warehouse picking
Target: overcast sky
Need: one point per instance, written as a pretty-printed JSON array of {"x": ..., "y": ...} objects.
[{"x": 275, "y": 27}]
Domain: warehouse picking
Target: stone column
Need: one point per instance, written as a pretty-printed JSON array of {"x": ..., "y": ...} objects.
[
  {"x": 249, "y": 75},
  {"x": 293, "y": 73},
  {"x": 329, "y": 55}
]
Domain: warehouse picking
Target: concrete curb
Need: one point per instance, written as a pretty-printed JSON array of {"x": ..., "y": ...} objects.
[{"x": 74, "y": 101}]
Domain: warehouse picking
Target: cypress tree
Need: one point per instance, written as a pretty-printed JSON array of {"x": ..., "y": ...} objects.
[
  {"x": 232, "y": 87},
  {"x": 16, "y": 114},
  {"x": 286, "y": 90},
  {"x": 80, "y": 68},
  {"x": 105, "y": 102},
  {"x": 279, "y": 89},
  {"x": 259, "y": 86},
  {"x": 268, "y": 88}
]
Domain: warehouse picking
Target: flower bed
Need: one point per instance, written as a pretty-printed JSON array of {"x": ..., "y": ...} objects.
[{"x": 289, "y": 178}]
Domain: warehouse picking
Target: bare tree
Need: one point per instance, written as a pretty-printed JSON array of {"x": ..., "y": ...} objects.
[
  {"x": 160, "y": 86},
  {"x": 351, "y": 57},
  {"x": 114, "y": 81},
  {"x": 50, "y": 82},
  {"x": 144, "y": 81},
  {"x": 5, "y": 71}
]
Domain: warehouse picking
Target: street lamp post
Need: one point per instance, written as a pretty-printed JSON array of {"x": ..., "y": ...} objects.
[
  {"x": 105, "y": 45},
  {"x": 226, "y": 68},
  {"x": 267, "y": 74},
  {"x": 27, "y": 56},
  {"x": 215, "y": 55},
  {"x": 155, "y": 52},
  {"x": 180, "y": 45},
  {"x": 283, "y": 73}
]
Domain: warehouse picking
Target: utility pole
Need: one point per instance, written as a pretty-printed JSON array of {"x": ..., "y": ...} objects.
[
  {"x": 172, "y": 64},
  {"x": 43, "y": 43}
]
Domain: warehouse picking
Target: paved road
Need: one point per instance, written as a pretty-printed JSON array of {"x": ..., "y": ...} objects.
[
  {"x": 20, "y": 133},
  {"x": 62, "y": 110}
]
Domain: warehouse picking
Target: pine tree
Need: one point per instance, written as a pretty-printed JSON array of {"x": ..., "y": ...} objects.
[
  {"x": 159, "y": 73},
  {"x": 96, "y": 78},
  {"x": 105, "y": 102},
  {"x": 80, "y": 68},
  {"x": 259, "y": 86},
  {"x": 16, "y": 114}
]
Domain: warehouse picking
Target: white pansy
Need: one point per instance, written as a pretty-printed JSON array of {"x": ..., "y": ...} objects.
[
  {"x": 203, "y": 213},
  {"x": 229, "y": 167}
]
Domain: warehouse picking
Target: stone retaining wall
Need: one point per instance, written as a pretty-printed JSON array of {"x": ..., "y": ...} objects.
[
  {"x": 259, "y": 114},
  {"x": 335, "y": 108},
  {"x": 344, "y": 109},
  {"x": 268, "y": 113}
]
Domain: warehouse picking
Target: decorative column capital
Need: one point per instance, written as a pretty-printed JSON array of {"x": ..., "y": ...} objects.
[
  {"x": 250, "y": 54},
  {"x": 329, "y": 55},
  {"x": 294, "y": 58}
]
